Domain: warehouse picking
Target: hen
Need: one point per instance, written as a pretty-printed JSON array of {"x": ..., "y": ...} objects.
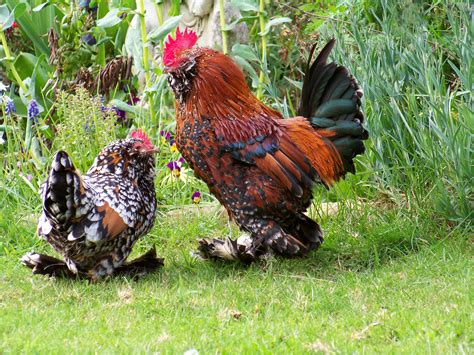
[
  {"x": 93, "y": 220},
  {"x": 260, "y": 166}
]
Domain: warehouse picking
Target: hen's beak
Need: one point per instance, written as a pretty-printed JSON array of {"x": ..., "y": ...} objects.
[
  {"x": 166, "y": 70},
  {"x": 149, "y": 150}
]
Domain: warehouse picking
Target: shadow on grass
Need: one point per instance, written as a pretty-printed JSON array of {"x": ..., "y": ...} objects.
[
  {"x": 355, "y": 242},
  {"x": 359, "y": 248}
]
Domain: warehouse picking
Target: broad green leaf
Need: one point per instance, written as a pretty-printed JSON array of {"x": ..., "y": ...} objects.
[
  {"x": 175, "y": 8},
  {"x": 27, "y": 63},
  {"x": 120, "y": 37},
  {"x": 133, "y": 43},
  {"x": 20, "y": 9},
  {"x": 6, "y": 18},
  {"x": 123, "y": 106},
  {"x": 103, "y": 40},
  {"x": 248, "y": 19},
  {"x": 245, "y": 5},
  {"x": 4, "y": 128},
  {"x": 244, "y": 51},
  {"x": 111, "y": 19},
  {"x": 35, "y": 25},
  {"x": 160, "y": 33},
  {"x": 34, "y": 71},
  {"x": 231, "y": 26},
  {"x": 41, "y": 6},
  {"x": 274, "y": 22}
]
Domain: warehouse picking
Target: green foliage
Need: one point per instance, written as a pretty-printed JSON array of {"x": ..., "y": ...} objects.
[
  {"x": 418, "y": 112},
  {"x": 87, "y": 124}
]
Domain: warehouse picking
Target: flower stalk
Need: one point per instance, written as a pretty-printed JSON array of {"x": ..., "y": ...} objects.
[
  {"x": 159, "y": 12},
  {"x": 261, "y": 78},
  {"x": 10, "y": 65},
  {"x": 146, "y": 56},
  {"x": 225, "y": 47}
]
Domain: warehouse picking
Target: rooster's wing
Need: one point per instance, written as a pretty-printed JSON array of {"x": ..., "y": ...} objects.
[{"x": 269, "y": 144}]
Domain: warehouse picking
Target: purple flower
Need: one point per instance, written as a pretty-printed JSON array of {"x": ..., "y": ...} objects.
[
  {"x": 85, "y": 4},
  {"x": 133, "y": 100},
  {"x": 104, "y": 109},
  {"x": 33, "y": 110},
  {"x": 9, "y": 106},
  {"x": 181, "y": 160},
  {"x": 88, "y": 39},
  {"x": 88, "y": 127},
  {"x": 174, "y": 168},
  {"x": 196, "y": 197},
  {"x": 172, "y": 165},
  {"x": 120, "y": 114},
  {"x": 166, "y": 135}
]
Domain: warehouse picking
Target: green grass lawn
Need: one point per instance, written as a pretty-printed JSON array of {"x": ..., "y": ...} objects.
[{"x": 382, "y": 281}]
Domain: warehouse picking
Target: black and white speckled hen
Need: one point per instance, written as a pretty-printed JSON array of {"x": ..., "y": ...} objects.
[{"x": 93, "y": 220}]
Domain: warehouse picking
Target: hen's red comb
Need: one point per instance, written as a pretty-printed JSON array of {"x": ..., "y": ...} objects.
[
  {"x": 139, "y": 134},
  {"x": 184, "y": 40}
]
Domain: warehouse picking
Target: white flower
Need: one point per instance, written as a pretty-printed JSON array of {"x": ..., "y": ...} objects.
[{"x": 3, "y": 87}]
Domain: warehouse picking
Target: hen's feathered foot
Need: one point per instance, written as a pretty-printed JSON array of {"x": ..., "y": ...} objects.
[
  {"x": 241, "y": 249},
  {"x": 141, "y": 266},
  {"x": 47, "y": 265}
]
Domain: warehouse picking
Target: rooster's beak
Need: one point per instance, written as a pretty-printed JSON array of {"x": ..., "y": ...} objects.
[{"x": 166, "y": 70}]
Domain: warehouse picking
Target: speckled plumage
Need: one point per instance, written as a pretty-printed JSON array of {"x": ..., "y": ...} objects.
[
  {"x": 93, "y": 220},
  {"x": 262, "y": 167}
]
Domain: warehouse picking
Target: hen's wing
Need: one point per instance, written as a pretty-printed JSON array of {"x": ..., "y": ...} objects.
[
  {"x": 80, "y": 207},
  {"x": 117, "y": 207}
]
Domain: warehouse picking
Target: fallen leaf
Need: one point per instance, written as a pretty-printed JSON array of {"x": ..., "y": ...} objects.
[
  {"x": 363, "y": 333},
  {"x": 126, "y": 295},
  {"x": 235, "y": 314},
  {"x": 319, "y": 346}
]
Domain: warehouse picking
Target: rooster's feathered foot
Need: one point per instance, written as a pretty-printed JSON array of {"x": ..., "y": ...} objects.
[
  {"x": 141, "y": 266},
  {"x": 242, "y": 249},
  {"x": 47, "y": 265}
]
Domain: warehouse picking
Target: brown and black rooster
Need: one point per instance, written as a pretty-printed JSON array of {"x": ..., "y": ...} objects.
[
  {"x": 93, "y": 220},
  {"x": 262, "y": 167}
]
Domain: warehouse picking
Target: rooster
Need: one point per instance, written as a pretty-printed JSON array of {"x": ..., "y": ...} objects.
[
  {"x": 93, "y": 220},
  {"x": 262, "y": 167}
]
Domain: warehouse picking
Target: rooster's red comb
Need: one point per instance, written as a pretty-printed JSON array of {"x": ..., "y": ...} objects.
[
  {"x": 184, "y": 40},
  {"x": 139, "y": 134}
]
